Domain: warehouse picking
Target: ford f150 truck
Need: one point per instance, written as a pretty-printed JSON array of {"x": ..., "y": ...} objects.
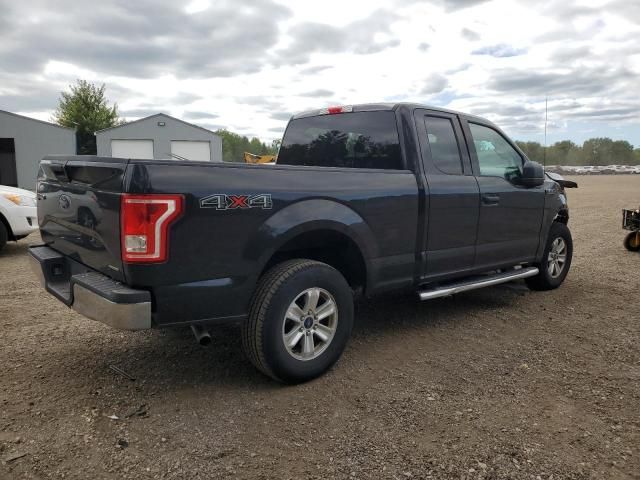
[{"x": 363, "y": 199}]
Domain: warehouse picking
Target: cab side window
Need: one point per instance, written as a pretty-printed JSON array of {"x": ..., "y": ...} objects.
[
  {"x": 443, "y": 145},
  {"x": 496, "y": 157}
]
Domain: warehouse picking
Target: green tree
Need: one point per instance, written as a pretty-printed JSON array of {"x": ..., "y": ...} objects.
[
  {"x": 563, "y": 153},
  {"x": 597, "y": 151},
  {"x": 234, "y": 146},
  {"x": 85, "y": 108},
  {"x": 622, "y": 152},
  {"x": 533, "y": 150},
  {"x": 256, "y": 147}
]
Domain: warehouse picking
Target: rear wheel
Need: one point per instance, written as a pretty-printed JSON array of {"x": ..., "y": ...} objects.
[
  {"x": 556, "y": 259},
  {"x": 4, "y": 235},
  {"x": 299, "y": 322},
  {"x": 632, "y": 242}
]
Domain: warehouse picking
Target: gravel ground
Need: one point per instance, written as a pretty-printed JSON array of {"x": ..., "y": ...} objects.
[{"x": 495, "y": 383}]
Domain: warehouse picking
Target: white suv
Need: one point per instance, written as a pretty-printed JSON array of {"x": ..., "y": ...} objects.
[{"x": 18, "y": 216}]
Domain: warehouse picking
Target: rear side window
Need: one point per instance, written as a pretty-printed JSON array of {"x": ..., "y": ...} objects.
[
  {"x": 351, "y": 140},
  {"x": 443, "y": 145}
]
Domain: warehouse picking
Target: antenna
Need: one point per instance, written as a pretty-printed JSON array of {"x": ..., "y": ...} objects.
[{"x": 546, "y": 112}]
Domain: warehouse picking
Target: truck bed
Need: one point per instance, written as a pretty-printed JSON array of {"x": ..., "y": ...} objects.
[{"x": 235, "y": 217}]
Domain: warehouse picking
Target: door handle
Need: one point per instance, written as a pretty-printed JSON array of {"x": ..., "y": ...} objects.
[{"x": 490, "y": 199}]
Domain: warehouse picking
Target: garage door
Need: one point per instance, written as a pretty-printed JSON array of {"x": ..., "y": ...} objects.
[
  {"x": 132, "y": 148},
  {"x": 191, "y": 150}
]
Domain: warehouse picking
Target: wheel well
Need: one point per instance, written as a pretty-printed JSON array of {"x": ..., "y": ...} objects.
[
  {"x": 327, "y": 246},
  {"x": 7, "y": 226}
]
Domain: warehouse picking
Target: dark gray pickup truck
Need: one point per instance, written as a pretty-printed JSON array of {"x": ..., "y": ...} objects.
[{"x": 363, "y": 200}]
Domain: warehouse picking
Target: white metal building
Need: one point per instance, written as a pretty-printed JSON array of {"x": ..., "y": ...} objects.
[
  {"x": 23, "y": 143},
  {"x": 159, "y": 136}
]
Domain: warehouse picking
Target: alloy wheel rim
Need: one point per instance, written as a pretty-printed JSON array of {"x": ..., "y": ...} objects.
[
  {"x": 309, "y": 324},
  {"x": 557, "y": 257}
]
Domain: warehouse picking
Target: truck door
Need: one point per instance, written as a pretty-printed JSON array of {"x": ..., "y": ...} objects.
[
  {"x": 453, "y": 204},
  {"x": 510, "y": 214}
]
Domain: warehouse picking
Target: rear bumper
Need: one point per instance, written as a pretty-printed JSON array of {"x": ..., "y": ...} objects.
[{"x": 91, "y": 293}]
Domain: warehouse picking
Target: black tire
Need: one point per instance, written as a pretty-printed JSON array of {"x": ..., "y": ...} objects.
[
  {"x": 545, "y": 280},
  {"x": 262, "y": 333},
  {"x": 632, "y": 241},
  {"x": 4, "y": 235}
]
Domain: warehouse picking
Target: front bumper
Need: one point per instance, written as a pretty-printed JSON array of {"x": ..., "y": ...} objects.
[
  {"x": 23, "y": 220},
  {"x": 89, "y": 292}
]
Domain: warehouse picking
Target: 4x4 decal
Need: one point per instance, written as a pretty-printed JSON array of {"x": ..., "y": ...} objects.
[{"x": 222, "y": 201}]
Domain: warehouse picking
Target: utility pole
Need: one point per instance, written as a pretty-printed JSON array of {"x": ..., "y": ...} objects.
[{"x": 546, "y": 111}]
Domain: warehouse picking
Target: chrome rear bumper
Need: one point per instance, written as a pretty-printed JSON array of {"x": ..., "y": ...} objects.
[{"x": 91, "y": 293}]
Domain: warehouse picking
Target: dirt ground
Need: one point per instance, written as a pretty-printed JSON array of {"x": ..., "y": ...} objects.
[{"x": 495, "y": 383}]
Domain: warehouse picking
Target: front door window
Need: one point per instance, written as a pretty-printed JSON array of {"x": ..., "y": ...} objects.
[{"x": 496, "y": 157}]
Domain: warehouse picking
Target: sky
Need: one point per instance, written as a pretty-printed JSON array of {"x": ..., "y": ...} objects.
[{"x": 248, "y": 65}]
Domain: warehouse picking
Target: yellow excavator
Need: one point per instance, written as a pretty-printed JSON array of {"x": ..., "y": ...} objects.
[{"x": 252, "y": 158}]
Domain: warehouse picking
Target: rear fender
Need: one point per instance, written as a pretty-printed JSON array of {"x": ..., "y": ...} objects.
[{"x": 315, "y": 214}]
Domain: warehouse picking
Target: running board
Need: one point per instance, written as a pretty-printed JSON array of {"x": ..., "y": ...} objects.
[{"x": 477, "y": 282}]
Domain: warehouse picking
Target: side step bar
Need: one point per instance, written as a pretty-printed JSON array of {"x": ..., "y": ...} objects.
[{"x": 477, "y": 282}]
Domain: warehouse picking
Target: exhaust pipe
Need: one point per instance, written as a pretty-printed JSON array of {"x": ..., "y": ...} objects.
[{"x": 201, "y": 334}]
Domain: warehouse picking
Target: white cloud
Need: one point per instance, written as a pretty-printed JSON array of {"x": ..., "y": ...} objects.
[{"x": 197, "y": 6}]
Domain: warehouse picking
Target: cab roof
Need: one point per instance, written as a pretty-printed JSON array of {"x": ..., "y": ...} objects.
[{"x": 371, "y": 107}]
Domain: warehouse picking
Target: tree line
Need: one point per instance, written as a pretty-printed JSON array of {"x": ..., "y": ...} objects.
[{"x": 595, "y": 151}]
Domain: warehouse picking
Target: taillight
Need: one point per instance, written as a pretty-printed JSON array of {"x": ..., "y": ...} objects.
[
  {"x": 336, "y": 109},
  {"x": 144, "y": 226}
]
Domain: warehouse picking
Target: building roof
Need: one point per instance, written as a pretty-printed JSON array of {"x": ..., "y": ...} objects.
[
  {"x": 153, "y": 116},
  {"x": 37, "y": 120}
]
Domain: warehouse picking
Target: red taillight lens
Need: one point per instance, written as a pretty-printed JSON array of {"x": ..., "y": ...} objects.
[
  {"x": 144, "y": 223},
  {"x": 338, "y": 109}
]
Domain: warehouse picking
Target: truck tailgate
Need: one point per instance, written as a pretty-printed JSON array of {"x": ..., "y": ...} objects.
[{"x": 79, "y": 209}]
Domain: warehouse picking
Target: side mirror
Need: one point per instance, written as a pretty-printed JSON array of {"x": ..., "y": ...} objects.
[{"x": 532, "y": 174}]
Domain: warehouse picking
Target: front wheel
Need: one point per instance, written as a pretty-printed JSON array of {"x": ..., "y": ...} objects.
[
  {"x": 299, "y": 322},
  {"x": 632, "y": 241},
  {"x": 556, "y": 259}
]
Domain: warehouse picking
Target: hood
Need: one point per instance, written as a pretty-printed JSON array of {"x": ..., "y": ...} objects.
[
  {"x": 556, "y": 177},
  {"x": 17, "y": 191}
]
